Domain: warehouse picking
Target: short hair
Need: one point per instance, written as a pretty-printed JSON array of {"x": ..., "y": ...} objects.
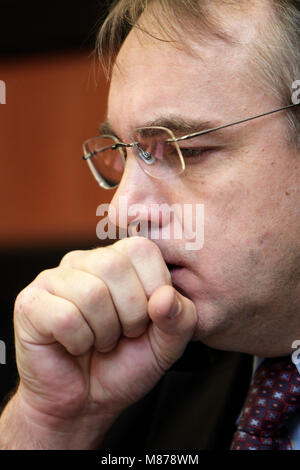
[{"x": 275, "y": 55}]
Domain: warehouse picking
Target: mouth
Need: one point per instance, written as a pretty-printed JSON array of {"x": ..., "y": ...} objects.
[
  {"x": 177, "y": 272},
  {"x": 179, "y": 278},
  {"x": 173, "y": 267}
]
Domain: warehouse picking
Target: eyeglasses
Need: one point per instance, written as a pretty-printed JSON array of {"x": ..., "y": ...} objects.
[{"x": 155, "y": 148}]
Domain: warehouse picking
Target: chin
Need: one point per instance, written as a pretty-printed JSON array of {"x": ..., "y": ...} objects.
[{"x": 217, "y": 329}]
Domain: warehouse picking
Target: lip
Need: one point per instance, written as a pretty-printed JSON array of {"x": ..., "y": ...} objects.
[
  {"x": 176, "y": 271},
  {"x": 178, "y": 276}
]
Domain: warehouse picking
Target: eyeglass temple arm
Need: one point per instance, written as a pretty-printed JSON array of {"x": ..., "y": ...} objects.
[
  {"x": 195, "y": 134},
  {"x": 207, "y": 131},
  {"x": 113, "y": 147}
]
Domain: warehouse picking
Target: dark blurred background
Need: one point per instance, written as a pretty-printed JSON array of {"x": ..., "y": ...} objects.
[{"x": 55, "y": 99}]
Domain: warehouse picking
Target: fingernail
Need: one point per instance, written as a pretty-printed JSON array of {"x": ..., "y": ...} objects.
[{"x": 176, "y": 308}]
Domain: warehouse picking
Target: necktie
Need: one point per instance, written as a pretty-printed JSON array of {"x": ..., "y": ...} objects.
[{"x": 273, "y": 397}]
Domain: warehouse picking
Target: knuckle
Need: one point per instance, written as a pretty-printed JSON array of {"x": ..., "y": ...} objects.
[
  {"x": 113, "y": 264},
  {"x": 136, "y": 324},
  {"x": 24, "y": 301},
  {"x": 69, "y": 257},
  {"x": 67, "y": 319},
  {"x": 96, "y": 292},
  {"x": 107, "y": 344},
  {"x": 106, "y": 349},
  {"x": 77, "y": 349},
  {"x": 142, "y": 247},
  {"x": 134, "y": 331},
  {"x": 136, "y": 319},
  {"x": 44, "y": 276}
]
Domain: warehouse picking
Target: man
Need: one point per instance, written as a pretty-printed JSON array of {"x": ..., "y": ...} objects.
[{"x": 99, "y": 332}]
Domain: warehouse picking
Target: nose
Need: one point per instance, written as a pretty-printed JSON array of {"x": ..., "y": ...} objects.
[{"x": 136, "y": 194}]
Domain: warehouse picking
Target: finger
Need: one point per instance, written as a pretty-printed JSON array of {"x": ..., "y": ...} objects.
[
  {"x": 125, "y": 288},
  {"x": 92, "y": 298},
  {"x": 174, "y": 322},
  {"x": 147, "y": 261},
  {"x": 42, "y": 318}
]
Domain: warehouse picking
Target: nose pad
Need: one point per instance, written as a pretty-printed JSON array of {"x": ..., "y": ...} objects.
[{"x": 145, "y": 156}]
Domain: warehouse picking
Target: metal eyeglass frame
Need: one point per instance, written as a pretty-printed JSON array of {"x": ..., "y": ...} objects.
[{"x": 144, "y": 155}]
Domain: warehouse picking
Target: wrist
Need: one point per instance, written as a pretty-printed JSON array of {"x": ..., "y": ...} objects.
[{"x": 24, "y": 427}]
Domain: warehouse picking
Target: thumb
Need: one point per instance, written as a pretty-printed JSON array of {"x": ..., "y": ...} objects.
[{"x": 174, "y": 320}]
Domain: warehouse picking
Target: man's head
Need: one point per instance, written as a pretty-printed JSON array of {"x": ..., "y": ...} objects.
[
  {"x": 219, "y": 62},
  {"x": 273, "y": 54}
]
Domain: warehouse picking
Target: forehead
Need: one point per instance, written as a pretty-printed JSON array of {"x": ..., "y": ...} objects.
[{"x": 153, "y": 78}]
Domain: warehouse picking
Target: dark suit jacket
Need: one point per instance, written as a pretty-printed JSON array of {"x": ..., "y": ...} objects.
[{"x": 193, "y": 407}]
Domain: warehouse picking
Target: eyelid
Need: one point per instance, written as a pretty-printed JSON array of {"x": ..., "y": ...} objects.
[
  {"x": 206, "y": 139},
  {"x": 201, "y": 147},
  {"x": 202, "y": 150}
]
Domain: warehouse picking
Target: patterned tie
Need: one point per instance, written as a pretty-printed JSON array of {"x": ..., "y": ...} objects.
[{"x": 273, "y": 397}]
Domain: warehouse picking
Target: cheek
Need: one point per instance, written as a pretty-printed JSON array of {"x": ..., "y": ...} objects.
[
  {"x": 249, "y": 203},
  {"x": 241, "y": 259},
  {"x": 236, "y": 237}
]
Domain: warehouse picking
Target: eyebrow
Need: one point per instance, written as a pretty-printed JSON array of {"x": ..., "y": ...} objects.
[
  {"x": 174, "y": 123},
  {"x": 188, "y": 127},
  {"x": 106, "y": 129}
]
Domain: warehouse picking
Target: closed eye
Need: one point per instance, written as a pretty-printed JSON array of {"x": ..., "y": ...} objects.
[{"x": 190, "y": 153}]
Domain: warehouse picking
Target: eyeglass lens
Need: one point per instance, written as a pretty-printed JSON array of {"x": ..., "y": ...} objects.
[{"x": 157, "y": 157}]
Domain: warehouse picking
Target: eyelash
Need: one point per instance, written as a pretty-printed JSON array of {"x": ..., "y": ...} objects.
[{"x": 200, "y": 152}]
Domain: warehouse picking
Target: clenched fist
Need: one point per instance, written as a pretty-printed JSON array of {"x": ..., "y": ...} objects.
[{"x": 94, "y": 335}]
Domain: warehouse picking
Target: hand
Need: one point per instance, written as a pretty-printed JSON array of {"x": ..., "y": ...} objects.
[{"x": 96, "y": 333}]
